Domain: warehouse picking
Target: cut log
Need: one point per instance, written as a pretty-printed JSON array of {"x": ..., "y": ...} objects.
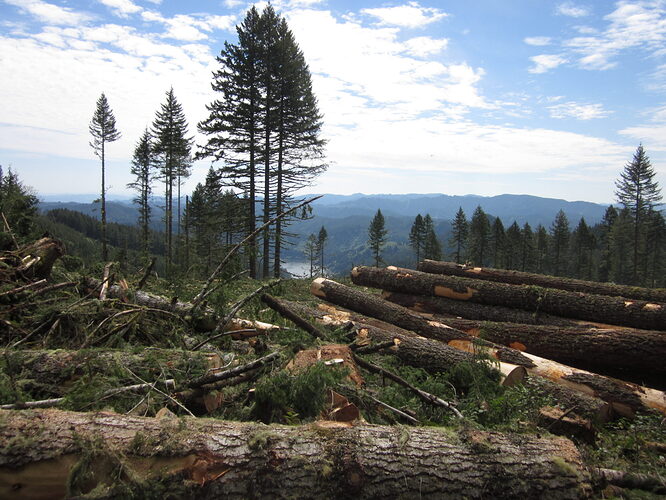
[
  {"x": 51, "y": 454},
  {"x": 586, "y": 405},
  {"x": 565, "y": 423},
  {"x": 588, "y": 307},
  {"x": 480, "y": 312},
  {"x": 374, "y": 306},
  {"x": 625, "y": 398},
  {"x": 283, "y": 309},
  {"x": 523, "y": 278},
  {"x": 39, "y": 257},
  {"x": 605, "y": 350}
]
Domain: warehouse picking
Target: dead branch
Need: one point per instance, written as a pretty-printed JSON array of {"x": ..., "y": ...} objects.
[
  {"x": 146, "y": 275},
  {"x": 211, "y": 378},
  {"x": 285, "y": 311}
]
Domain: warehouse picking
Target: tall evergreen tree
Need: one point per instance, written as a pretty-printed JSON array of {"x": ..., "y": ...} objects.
[
  {"x": 377, "y": 236},
  {"x": 233, "y": 126},
  {"x": 605, "y": 241},
  {"x": 103, "y": 130},
  {"x": 432, "y": 248},
  {"x": 172, "y": 149},
  {"x": 541, "y": 237},
  {"x": 143, "y": 163},
  {"x": 638, "y": 191},
  {"x": 526, "y": 248},
  {"x": 621, "y": 237},
  {"x": 417, "y": 237},
  {"x": 268, "y": 124},
  {"x": 559, "y": 232},
  {"x": 18, "y": 204},
  {"x": 459, "y": 232},
  {"x": 513, "y": 246},
  {"x": 655, "y": 271},
  {"x": 322, "y": 236},
  {"x": 584, "y": 244},
  {"x": 479, "y": 233},
  {"x": 498, "y": 243},
  {"x": 312, "y": 253}
]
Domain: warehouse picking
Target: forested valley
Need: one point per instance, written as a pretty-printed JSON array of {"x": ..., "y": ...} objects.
[{"x": 443, "y": 356}]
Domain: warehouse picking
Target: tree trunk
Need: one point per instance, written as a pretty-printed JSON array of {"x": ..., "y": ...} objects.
[
  {"x": 374, "y": 306},
  {"x": 585, "y": 404},
  {"x": 481, "y": 312},
  {"x": 51, "y": 454},
  {"x": 39, "y": 257},
  {"x": 589, "y": 307},
  {"x": 625, "y": 398},
  {"x": 522, "y": 278},
  {"x": 640, "y": 351}
]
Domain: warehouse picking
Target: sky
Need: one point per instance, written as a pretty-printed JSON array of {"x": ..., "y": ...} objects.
[{"x": 485, "y": 97}]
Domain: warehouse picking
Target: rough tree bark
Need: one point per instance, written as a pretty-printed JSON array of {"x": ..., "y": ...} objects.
[
  {"x": 50, "y": 453},
  {"x": 642, "y": 351},
  {"x": 589, "y": 307},
  {"x": 481, "y": 312},
  {"x": 523, "y": 278},
  {"x": 374, "y": 306}
]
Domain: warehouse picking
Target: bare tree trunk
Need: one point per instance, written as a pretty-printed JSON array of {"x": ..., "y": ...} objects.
[
  {"x": 589, "y": 307},
  {"x": 50, "y": 453},
  {"x": 522, "y": 278}
]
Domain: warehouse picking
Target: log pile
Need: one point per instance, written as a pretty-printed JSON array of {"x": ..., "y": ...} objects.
[{"x": 561, "y": 345}]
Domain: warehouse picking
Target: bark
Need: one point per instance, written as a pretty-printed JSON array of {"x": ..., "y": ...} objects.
[
  {"x": 374, "y": 306},
  {"x": 566, "y": 423},
  {"x": 44, "y": 451},
  {"x": 523, "y": 278},
  {"x": 481, "y": 312},
  {"x": 284, "y": 310},
  {"x": 589, "y": 307},
  {"x": 626, "y": 398},
  {"x": 37, "y": 258},
  {"x": 641, "y": 351}
]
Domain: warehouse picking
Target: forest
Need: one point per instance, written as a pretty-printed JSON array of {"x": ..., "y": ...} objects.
[{"x": 493, "y": 361}]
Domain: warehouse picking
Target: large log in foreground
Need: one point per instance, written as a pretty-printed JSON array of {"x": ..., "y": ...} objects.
[
  {"x": 523, "y": 278},
  {"x": 51, "y": 454},
  {"x": 589, "y": 307}
]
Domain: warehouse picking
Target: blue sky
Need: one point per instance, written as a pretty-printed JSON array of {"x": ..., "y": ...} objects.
[{"x": 484, "y": 97}]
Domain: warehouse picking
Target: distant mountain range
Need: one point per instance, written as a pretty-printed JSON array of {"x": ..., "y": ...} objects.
[{"x": 347, "y": 217}]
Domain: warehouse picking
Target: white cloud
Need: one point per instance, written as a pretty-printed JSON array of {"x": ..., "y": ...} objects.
[
  {"x": 652, "y": 134},
  {"x": 122, "y": 8},
  {"x": 578, "y": 111},
  {"x": 49, "y": 13},
  {"x": 188, "y": 28},
  {"x": 230, "y": 4},
  {"x": 411, "y": 15},
  {"x": 422, "y": 46},
  {"x": 572, "y": 10},
  {"x": 537, "y": 41},
  {"x": 546, "y": 62}
]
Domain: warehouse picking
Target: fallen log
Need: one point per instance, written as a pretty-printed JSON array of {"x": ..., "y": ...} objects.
[
  {"x": 480, "y": 312},
  {"x": 585, "y": 404},
  {"x": 284, "y": 310},
  {"x": 588, "y": 307},
  {"x": 374, "y": 306},
  {"x": 50, "y": 453},
  {"x": 38, "y": 258},
  {"x": 545, "y": 281},
  {"x": 641, "y": 351},
  {"x": 626, "y": 398}
]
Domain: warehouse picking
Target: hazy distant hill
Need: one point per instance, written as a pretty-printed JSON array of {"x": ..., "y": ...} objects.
[{"x": 347, "y": 218}]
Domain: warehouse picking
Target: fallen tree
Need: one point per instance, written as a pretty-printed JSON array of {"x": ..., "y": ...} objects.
[
  {"x": 50, "y": 453},
  {"x": 542, "y": 280},
  {"x": 474, "y": 311},
  {"x": 642, "y": 351},
  {"x": 588, "y": 307}
]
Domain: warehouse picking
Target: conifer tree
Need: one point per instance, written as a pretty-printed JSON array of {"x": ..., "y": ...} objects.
[
  {"x": 417, "y": 236},
  {"x": 479, "y": 232},
  {"x": 377, "y": 236},
  {"x": 103, "y": 130},
  {"x": 172, "y": 150},
  {"x": 18, "y": 204},
  {"x": 639, "y": 192},
  {"x": 583, "y": 247},
  {"x": 311, "y": 252},
  {"x": 621, "y": 236},
  {"x": 541, "y": 237},
  {"x": 559, "y": 231},
  {"x": 459, "y": 232},
  {"x": 321, "y": 243},
  {"x": 656, "y": 249},
  {"x": 498, "y": 242},
  {"x": 432, "y": 248},
  {"x": 526, "y": 248},
  {"x": 513, "y": 247},
  {"x": 143, "y": 163},
  {"x": 605, "y": 240}
]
